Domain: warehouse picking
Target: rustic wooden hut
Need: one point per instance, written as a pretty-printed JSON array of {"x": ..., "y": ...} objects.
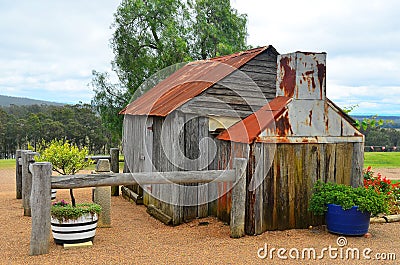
[
  {"x": 167, "y": 128},
  {"x": 209, "y": 112}
]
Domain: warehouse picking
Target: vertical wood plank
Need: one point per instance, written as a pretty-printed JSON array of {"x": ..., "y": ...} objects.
[
  {"x": 192, "y": 153},
  {"x": 268, "y": 185},
  {"x": 347, "y": 163},
  {"x": 282, "y": 182},
  {"x": 290, "y": 156},
  {"x": 250, "y": 194},
  {"x": 258, "y": 180},
  {"x": 330, "y": 163},
  {"x": 202, "y": 208},
  {"x": 357, "y": 165},
  {"x": 340, "y": 163},
  {"x": 301, "y": 199},
  {"x": 224, "y": 157}
]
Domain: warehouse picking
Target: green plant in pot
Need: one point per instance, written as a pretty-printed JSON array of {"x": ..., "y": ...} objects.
[
  {"x": 68, "y": 159},
  {"x": 347, "y": 209}
]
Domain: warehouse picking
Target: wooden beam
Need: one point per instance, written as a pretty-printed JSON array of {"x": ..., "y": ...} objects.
[
  {"x": 159, "y": 215},
  {"x": 41, "y": 203},
  {"x": 130, "y": 195},
  {"x": 113, "y": 179}
]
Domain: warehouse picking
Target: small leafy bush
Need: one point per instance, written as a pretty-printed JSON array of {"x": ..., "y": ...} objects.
[
  {"x": 64, "y": 211},
  {"x": 367, "y": 199},
  {"x": 66, "y": 158}
]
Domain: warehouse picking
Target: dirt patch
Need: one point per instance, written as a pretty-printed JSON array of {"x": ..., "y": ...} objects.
[
  {"x": 137, "y": 238},
  {"x": 390, "y": 173}
]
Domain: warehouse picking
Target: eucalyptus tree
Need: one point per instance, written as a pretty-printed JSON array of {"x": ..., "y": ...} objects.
[{"x": 150, "y": 35}]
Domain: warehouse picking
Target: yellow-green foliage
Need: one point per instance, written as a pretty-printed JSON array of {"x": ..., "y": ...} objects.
[{"x": 67, "y": 159}]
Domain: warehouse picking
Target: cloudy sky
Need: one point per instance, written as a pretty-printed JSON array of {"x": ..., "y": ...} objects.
[{"x": 48, "y": 48}]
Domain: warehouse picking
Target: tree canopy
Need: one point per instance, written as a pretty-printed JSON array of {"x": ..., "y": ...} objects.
[{"x": 150, "y": 35}]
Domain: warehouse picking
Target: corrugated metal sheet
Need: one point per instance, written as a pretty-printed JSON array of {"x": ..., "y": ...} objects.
[
  {"x": 247, "y": 130},
  {"x": 188, "y": 82}
]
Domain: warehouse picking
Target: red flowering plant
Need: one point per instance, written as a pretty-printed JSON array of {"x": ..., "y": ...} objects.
[{"x": 383, "y": 185}]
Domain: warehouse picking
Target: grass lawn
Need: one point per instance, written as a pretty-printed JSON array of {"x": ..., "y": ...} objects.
[
  {"x": 10, "y": 163},
  {"x": 7, "y": 163},
  {"x": 373, "y": 159},
  {"x": 382, "y": 159}
]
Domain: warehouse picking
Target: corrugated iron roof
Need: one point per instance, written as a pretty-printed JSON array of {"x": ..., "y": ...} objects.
[
  {"x": 247, "y": 130},
  {"x": 188, "y": 82}
]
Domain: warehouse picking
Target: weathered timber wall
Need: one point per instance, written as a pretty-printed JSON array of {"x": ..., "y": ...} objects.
[
  {"x": 182, "y": 150},
  {"x": 288, "y": 173}
]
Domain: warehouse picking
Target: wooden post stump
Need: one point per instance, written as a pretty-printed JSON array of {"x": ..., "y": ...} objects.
[
  {"x": 18, "y": 174},
  {"x": 41, "y": 203},
  {"x": 114, "y": 153},
  {"x": 238, "y": 199},
  {"x": 27, "y": 158},
  {"x": 102, "y": 195}
]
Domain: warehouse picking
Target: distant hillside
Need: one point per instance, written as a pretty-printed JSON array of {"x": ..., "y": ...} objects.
[{"x": 6, "y": 101}]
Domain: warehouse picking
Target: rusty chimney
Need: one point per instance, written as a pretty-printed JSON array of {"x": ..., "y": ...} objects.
[{"x": 302, "y": 75}]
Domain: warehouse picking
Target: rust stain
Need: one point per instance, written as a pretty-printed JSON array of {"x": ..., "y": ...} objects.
[
  {"x": 310, "y": 117},
  {"x": 310, "y": 73},
  {"x": 288, "y": 81},
  {"x": 321, "y": 76},
  {"x": 326, "y": 112},
  {"x": 283, "y": 126},
  {"x": 188, "y": 82}
]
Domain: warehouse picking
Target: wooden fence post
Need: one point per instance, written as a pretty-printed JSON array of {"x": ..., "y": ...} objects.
[
  {"x": 114, "y": 161},
  {"x": 102, "y": 195},
  {"x": 41, "y": 203},
  {"x": 27, "y": 158},
  {"x": 238, "y": 199},
  {"x": 18, "y": 175}
]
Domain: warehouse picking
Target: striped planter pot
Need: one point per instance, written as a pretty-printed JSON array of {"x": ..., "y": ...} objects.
[
  {"x": 80, "y": 230},
  {"x": 53, "y": 194}
]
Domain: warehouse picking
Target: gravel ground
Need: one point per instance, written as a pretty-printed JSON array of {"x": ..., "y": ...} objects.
[{"x": 137, "y": 238}]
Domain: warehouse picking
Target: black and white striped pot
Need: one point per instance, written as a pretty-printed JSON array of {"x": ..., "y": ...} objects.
[
  {"x": 53, "y": 194},
  {"x": 80, "y": 230}
]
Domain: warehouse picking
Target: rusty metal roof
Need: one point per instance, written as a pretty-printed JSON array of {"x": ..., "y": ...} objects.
[
  {"x": 247, "y": 130},
  {"x": 188, "y": 82}
]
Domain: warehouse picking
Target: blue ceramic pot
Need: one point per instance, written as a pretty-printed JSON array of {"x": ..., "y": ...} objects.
[{"x": 347, "y": 222}]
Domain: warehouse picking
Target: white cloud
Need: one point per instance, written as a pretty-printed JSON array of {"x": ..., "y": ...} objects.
[
  {"x": 49, "y": 48},
  {"x": 54, "y": 42}
]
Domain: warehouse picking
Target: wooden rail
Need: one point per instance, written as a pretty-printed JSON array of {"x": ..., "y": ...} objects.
[
  {"x": 42, "y": 182},
  {"x": 22, "y": 190}
]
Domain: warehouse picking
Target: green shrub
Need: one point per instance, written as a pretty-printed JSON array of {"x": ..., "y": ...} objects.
[
  {"x": 67, "y": 159},
  {"x": 367, "y": 199},
  {"x": 63, "y": 211}
]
